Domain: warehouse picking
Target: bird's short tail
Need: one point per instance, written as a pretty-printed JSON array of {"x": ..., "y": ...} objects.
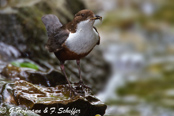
[{"x": 52, "y": 23}]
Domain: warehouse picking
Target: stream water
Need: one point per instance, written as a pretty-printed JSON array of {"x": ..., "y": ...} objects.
[{"x": 134, "y": 67}]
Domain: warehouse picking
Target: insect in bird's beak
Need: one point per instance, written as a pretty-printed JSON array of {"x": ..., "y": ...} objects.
[{"x": 96, "y": 17}]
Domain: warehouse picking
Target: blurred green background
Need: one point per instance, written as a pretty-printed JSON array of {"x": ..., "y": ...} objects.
[{"x": 137, "y": 45}]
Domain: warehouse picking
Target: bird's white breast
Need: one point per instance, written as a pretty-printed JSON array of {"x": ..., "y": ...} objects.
[{"x": 84, "y": 39}]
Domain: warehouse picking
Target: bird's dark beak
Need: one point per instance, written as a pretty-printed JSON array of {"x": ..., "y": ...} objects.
[{"x": 96, "y": 17}]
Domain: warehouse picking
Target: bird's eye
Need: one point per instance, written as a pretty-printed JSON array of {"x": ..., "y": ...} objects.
[{"x": 82, "y": 15}]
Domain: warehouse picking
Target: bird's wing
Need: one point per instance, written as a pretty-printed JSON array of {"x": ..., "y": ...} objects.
[
  {"x": 98, "y": 35},
  {"x": 55, "y": 31}
]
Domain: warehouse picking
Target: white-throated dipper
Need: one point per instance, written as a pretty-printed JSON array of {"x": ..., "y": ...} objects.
[{"x": 73, "y": 40}]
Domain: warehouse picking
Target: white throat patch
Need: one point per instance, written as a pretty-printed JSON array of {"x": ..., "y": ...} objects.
[{"x": 84, "y": 39}]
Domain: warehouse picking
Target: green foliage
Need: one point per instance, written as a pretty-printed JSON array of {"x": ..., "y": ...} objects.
[{"x": 25, "y": 64}]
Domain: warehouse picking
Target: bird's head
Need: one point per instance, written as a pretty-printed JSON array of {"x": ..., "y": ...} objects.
[{"x": 86, "y": 15}]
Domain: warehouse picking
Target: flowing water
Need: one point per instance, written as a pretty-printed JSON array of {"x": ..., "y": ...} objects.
[{"x": 140, "y": 81}]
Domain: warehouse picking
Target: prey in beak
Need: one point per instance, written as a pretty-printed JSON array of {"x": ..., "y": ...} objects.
[{"x": 96, "y": 17}]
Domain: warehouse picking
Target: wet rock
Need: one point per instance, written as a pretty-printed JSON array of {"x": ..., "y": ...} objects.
[
  {"x": 7, "y": 94},
  {"x": 53, "y": 100},
  {"x": 2, "y": 65},
  {"x": 53, "y": 77},
  {"x": 3, "y": 81},
  {"x": 50, "y": 78},
  {"x": 8, "y": 51}
]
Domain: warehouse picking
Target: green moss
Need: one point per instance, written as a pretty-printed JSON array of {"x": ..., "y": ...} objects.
[
  {"x": 120, "y": 102},
  {"x": 111, "y": 20},
  {"x": 120, "y": 18},
  {"x": 25, "y": 64},
  {"x": 151, "y": 90},
  {"x": 165, "y": 14},
  {"x": 75, "y": 5},
  {"x": 31, "y": 17},
  {"x": 34, "y": 30}
]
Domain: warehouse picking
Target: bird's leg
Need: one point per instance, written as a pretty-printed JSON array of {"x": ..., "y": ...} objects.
[
  {"x": 81, "y": 80},
  {"x": 63, "y": 71},
  {"x": 78, "y": 64}
]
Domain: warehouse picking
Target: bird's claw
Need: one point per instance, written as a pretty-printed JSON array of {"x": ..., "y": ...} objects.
[
  {"x": 73, "y": 92},
  {"x": 83, "y": 86}
]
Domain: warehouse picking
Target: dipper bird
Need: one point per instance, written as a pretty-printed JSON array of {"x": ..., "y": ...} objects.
[{"x": 73, "y": 40}]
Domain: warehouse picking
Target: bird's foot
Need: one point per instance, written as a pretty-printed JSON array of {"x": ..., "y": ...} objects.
[
  {"x": 83, "y": 86},
  {"x": 73, "y": 92}
]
